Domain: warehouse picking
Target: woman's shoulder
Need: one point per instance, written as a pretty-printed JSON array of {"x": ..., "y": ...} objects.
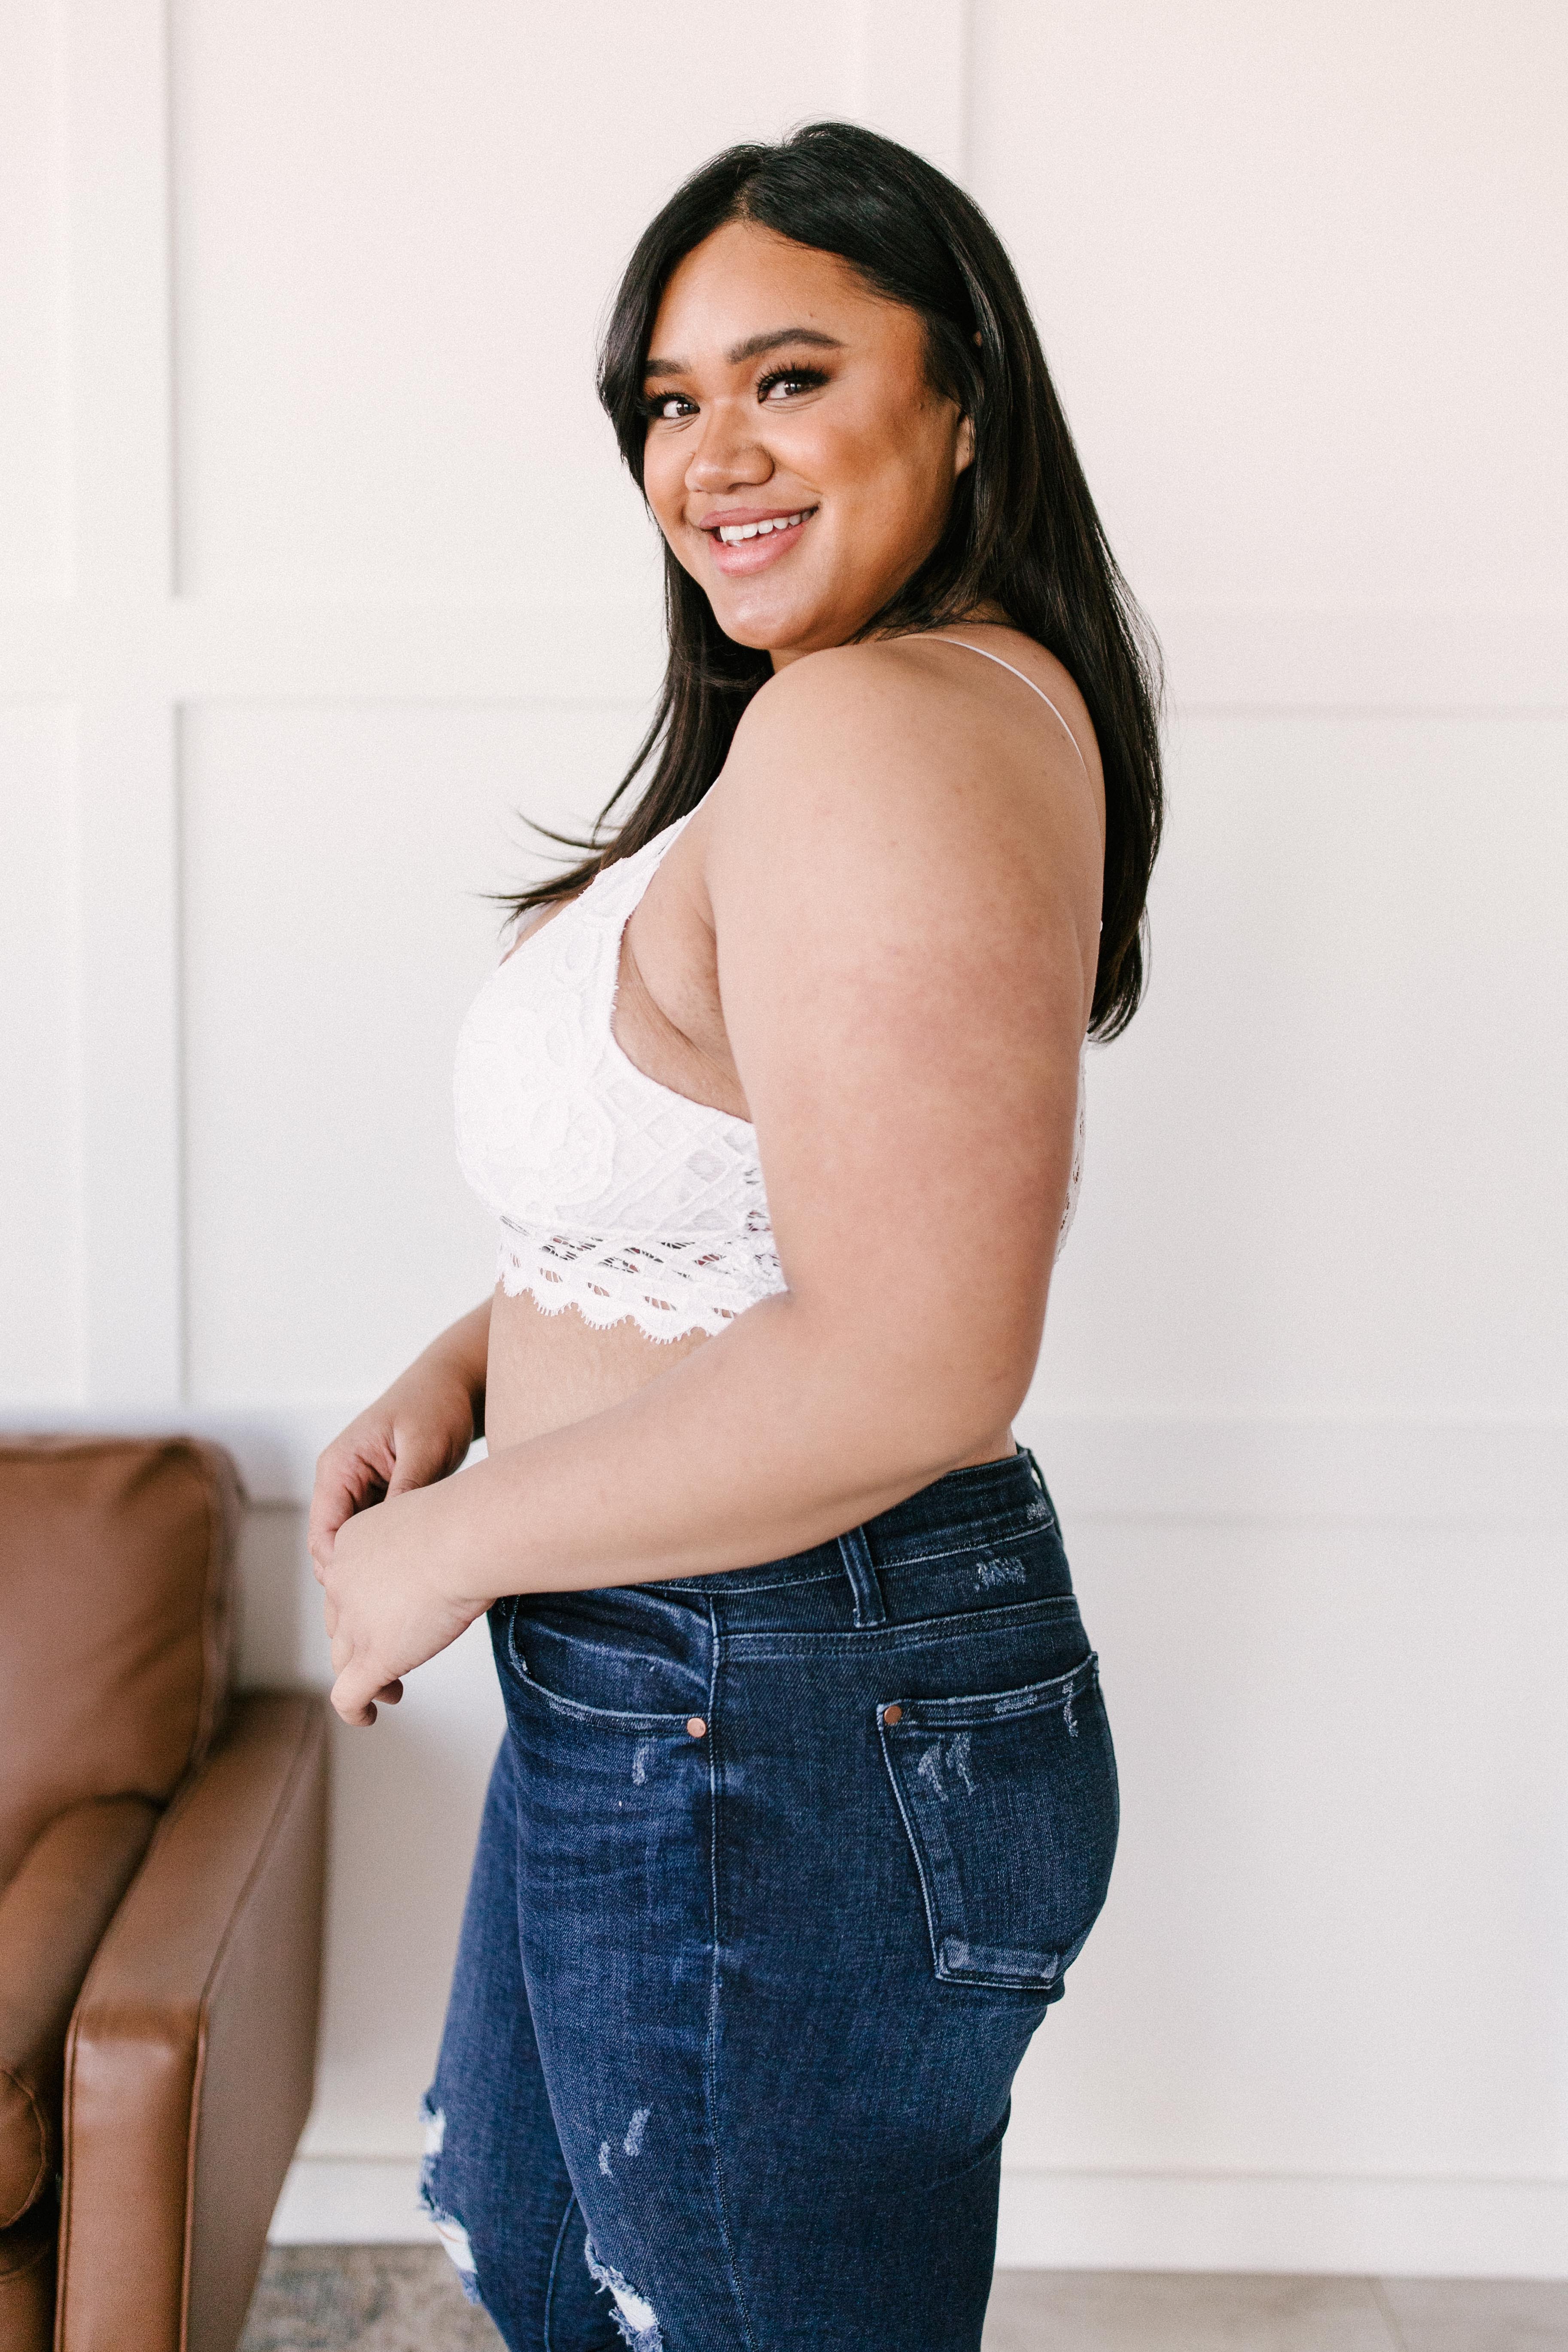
[
  {"x": 892, "y": 674},
  {"x": 910, "y": 722},
  {"x": 881, "y": 786}
]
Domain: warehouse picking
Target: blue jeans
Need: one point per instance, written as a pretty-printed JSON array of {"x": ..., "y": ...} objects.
[{"x": 779, "y": 1871}]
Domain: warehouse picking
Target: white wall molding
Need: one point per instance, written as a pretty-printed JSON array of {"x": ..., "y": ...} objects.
[
  {"x": 121, "y": 396},
  {"x": 185, "y": 651},
  {"x": 1283, "y": 2223},
  {"x": 1111, "y": 2221}
]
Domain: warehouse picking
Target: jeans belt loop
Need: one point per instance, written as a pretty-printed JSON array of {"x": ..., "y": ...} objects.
[{"x": 870, "y": 1609}]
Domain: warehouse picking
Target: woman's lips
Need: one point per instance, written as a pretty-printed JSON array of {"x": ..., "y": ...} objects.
[{"x": 738, "y": 558}]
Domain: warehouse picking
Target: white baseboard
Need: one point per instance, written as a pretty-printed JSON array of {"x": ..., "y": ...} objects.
[
  {"x": 1113, "y": 2221},
  {"x": 352, "y": 2202},
  {"x": 1198, "y": 2221}
]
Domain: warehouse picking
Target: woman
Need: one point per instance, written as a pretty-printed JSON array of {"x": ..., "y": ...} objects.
[{"x": 807, "y": 1797}]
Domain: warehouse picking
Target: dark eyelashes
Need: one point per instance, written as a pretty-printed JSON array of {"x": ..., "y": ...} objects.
[
  {"x": 809, "y": 378},
  {"x": 652, "y": 403}
]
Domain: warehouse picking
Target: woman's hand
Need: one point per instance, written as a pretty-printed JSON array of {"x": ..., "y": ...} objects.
[
  {"x": 416, "y": 1435},
  {"x": 418, "y": 1431},
  {"x": 389, "y": 1604}
]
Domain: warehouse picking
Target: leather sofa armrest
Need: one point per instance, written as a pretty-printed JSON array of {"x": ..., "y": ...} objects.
[
  {"x": 190, "y": 2067},
  {"x": 52, "y": 1915}
]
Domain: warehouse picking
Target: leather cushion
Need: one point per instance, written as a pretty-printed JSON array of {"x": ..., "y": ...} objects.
[
  {"x": 116, "y": 1563},
  {"x": 28, "y": 2281}
]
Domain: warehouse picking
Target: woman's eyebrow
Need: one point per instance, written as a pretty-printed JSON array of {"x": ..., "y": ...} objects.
[{"x": 752, "y": 349}]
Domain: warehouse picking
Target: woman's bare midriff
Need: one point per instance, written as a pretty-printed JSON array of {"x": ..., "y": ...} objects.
[{"x": 548, "y": 1370}]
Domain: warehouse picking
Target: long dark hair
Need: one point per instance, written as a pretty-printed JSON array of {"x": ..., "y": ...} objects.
[{"x": 1022, "y": 531}]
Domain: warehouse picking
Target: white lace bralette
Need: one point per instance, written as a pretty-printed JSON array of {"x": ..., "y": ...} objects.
[{"x": 617, "y": 1195}]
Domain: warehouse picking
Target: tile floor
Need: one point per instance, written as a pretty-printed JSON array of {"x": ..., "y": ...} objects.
[{"x": 407, "y": 2299}]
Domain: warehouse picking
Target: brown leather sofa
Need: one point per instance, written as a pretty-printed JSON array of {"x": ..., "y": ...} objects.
[{"x": 161, "y": 1846}]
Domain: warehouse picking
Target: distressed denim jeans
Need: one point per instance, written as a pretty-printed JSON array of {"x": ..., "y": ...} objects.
[{"x": 779, "y": 1871}]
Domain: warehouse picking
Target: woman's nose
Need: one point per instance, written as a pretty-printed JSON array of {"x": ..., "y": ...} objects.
[{"x": 728, "y": 453}]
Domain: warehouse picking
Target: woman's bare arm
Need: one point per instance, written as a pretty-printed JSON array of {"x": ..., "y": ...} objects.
[
  {"x": 905, "y": 894},
  {"x": 418, "y": 1431}
]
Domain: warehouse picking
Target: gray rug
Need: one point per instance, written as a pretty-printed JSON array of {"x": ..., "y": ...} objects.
[
  {"x": 408, "y": 2299},
  {"x": 363, "y": 2299}
]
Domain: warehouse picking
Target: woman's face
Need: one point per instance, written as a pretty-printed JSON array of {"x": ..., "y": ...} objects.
[{"x": 782, "y": 392}]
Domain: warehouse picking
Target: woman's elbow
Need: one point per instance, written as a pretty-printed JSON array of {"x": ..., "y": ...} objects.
[{"x": 923, "y": 1394}]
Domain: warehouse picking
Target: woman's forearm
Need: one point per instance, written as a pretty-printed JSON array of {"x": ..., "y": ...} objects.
[{"x": 775, "y": 1437}]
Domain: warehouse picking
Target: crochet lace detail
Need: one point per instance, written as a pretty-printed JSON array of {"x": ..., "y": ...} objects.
[
  {"x": 667, "y": 1285},
  {"x": 615, "y": 1195}
]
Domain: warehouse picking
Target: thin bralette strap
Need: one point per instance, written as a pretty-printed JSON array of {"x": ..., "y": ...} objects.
[{"x": 1029, "y": 682}]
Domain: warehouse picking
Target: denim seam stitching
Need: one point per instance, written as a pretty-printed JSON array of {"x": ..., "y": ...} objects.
[
  {"x": 912, "y": 1842},
  {"x": 1042, "y": 1698},
  {"x": 1006, "y": 1527},
  {"x": 976, "y": 1533},
  {"x": 779, "y": 1584},
  {"x": 964, "y": 1625},
  {"x": 1004, "y": 1462},
  {"x": 555, "y": 2266},
  {"x": 865, "y": 1582},
  {"x": 710, "y": 2055}
]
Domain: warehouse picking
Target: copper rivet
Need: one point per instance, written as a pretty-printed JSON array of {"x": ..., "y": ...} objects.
[
  {"x": 892, "y": 1715},
  {"x": 695, "y": 1725}
]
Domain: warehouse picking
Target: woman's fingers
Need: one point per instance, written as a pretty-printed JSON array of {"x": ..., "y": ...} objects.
[
  {"x": 422, "y": 1458},
  {"x": 354, "y": 1707},
  {"x": 360, "y": 1683},
  {"x": 356, "y": 1691},
  {"x": 349, "y": 1476},
  {"x": 332, "y": 1502}
]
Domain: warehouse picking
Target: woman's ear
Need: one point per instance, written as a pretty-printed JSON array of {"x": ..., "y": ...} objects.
[{"x": 963, "y": 448}]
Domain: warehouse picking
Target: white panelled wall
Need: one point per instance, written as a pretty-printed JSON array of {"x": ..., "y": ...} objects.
[{"x": 317, "y": 567}]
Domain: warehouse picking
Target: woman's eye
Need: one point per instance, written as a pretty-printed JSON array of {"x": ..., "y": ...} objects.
[
  {"x": 790, "y": 381},
  {"x": 669, "y": 407}
]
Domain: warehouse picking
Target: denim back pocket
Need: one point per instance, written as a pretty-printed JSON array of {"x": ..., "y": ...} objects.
[{"x": 1010, "y": 1804}]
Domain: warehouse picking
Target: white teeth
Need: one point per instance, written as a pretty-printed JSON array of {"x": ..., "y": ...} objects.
[{"x": 731, "y": 533}]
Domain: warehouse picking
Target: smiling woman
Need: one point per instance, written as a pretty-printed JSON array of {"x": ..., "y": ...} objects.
[
  {"x": 807, "y": 1800},
  {"x": 855, "y": 442}
]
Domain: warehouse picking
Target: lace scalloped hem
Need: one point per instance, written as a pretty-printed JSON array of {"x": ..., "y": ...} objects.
[{"x": 605, "y": 1296}]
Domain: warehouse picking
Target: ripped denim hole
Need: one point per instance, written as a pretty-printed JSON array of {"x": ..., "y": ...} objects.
[
  {"x": 989, "y": 1573},
  {"x": 634, "y": 2315},
  {"x": 449, "y": 2228}
]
